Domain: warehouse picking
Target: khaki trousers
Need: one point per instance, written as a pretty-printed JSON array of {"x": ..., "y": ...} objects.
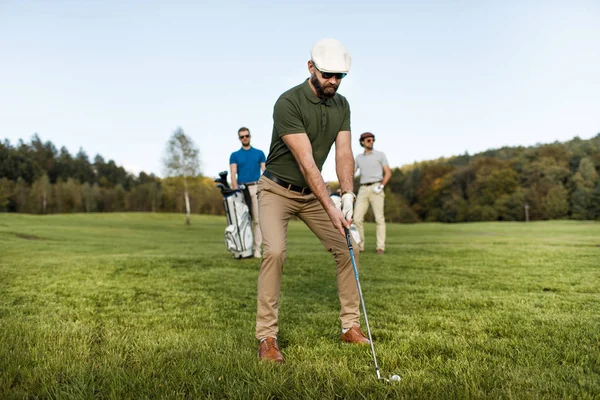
[
  {"x": 277, "y": 205},
  {"x": 255, "y": 218},
  {"x": 366, "y": 196}
]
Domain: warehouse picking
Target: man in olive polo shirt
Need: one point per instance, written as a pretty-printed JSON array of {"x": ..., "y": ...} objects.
[{"x": 307, "y": 120}]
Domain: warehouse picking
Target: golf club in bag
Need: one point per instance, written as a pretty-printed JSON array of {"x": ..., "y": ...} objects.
[
  {"x": 238, "y": 233},
  {"x": 362, "y": 302}
]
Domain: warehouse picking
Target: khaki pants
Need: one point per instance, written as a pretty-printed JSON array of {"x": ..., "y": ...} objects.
[
  {"x": 277, "y": 205},
  {"x": 255, "y": 219},
  {"x": 366, "y": 196}
]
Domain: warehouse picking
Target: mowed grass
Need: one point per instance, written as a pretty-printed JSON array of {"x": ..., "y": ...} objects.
[{"x": 142, "y": 306}]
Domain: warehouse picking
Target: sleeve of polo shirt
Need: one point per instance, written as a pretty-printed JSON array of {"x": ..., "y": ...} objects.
[
  {"x": 346, "y": 123},
  {"x": 232, "y": 158},
  {"x": 287, "y": 118},
  {"x": 384, "y": 160},
  {"x": 262, "y": 157}
]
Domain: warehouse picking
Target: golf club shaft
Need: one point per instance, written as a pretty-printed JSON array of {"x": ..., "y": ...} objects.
[{"x": 362, "y": 300}]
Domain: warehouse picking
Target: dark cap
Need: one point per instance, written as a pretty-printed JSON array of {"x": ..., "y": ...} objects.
[{"x": 364, "y": 136}]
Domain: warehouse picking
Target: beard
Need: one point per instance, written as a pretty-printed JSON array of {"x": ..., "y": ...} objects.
[{"x": 325, "y": 91}]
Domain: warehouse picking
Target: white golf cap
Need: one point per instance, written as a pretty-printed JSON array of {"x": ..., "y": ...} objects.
[{"x": 329, "y": 55}]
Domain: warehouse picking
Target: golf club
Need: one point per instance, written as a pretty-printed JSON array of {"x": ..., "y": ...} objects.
[{"x": 362, "y": 302}]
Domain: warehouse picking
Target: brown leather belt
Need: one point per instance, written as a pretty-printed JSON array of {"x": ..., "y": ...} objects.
[
  {"x": 289, "y": 186},
  {"x": 370, "y": 183},
  {"x": 251, "y": 183}
]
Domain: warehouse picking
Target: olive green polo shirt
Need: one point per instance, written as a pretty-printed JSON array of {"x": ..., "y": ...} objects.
[{"x": 299, "y": 110}]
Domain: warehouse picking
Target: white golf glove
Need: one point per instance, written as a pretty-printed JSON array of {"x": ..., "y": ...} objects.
[
  {"x": 337, "y": 201},
  {"x": 378, "y": 188},
  {"x": 348, "y": 205}
]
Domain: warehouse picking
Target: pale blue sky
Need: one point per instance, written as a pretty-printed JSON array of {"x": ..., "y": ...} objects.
[{"x": 429, "y": 78}]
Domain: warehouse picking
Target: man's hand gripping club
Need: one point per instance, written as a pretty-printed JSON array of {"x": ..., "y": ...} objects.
[{"x": 345, "y": 204}]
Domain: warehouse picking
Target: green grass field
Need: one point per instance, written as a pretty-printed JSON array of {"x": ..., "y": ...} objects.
[{"x": 141, "y": 306}]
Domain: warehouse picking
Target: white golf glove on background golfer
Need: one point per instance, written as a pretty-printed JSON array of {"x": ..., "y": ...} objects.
[{"x": 378, "y": 188}]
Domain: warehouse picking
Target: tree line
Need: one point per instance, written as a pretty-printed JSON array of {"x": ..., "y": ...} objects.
[
  {"x": 555, "y": 181},
  {"x": 37, "y": 178}
]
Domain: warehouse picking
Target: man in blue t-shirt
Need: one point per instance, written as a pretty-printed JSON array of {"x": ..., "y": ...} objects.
[{"x": 247, "y": 164}]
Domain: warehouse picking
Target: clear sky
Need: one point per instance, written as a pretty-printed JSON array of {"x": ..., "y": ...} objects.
[{"x": 428, "y": 78}]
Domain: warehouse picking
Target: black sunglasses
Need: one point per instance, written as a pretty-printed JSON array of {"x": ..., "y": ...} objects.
[
  {"x": 244, "y": 136},
  {"x": 329, "y": 75}
]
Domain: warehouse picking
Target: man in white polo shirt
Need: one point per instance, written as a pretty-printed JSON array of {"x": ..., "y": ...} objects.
[{"x": 374, "y": 175}]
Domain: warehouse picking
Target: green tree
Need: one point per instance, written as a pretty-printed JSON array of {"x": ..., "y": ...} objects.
[
  {"x": 143, "y": 197},
  {"x": 482, "y": 213},
  {"x": 69, "y": 197},
  {"x": 20, "y": 196},
  {"x": 433, "y": 182},
  {"x": 40, "y": 193},
  {"x": 555, "y": 203},
  {"x": 454, "y": 209},
  {"x": 90, "y": 200},
  {"x": 510, "y": 207},
  {"x": 182, "y": 160},
  {"x": 546, "y": 172},
  {"x": 407, "y": 215},
  {"x": 594, "y": 208},
  {"x": 581, "y": 202},
  {"x": 65, "y": 167},
  {"x": 43, "y": 155},
  {"x": 493, "y": 180},
  {"x": 16, "y": 162},
  {"x": 207, "y": 197},
  {"x": 391, "y": 206},
  {"x": 7, "y": 187},
  {"x": 83, "y": 168},
  {"x": 586, "y": 175}
]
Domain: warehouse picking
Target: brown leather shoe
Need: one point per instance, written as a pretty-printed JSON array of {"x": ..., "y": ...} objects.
[
  {"x": 354, "y": 335},
  {"x": 268, "y": 350},
  {"x": 380, "y": 251}
]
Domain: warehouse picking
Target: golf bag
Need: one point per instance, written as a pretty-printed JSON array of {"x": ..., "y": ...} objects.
[{"x": 238, "y": 233}]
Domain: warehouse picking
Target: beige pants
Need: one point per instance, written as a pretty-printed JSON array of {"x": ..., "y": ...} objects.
[
  {"x": 366, "y": 196},
  {"x": 277, "y": 205},
  {"x": 255, "y": 219}
]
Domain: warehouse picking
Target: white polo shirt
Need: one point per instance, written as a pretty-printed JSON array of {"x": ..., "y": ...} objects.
[{"x": 371, "y": 166}]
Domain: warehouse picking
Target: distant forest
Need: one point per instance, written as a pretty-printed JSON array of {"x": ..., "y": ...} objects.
[{"x": 554, "y": 181}]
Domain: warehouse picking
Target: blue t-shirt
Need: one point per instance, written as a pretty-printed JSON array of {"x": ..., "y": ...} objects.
[{"x": 248, "y": 164}]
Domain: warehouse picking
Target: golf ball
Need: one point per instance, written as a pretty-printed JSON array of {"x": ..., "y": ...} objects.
[{"x": 395, "y": 378}]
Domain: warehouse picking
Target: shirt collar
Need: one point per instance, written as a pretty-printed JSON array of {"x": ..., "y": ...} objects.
[{"x": 311, "y": 96}]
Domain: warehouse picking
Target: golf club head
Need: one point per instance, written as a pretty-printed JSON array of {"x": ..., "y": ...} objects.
[
  {"x": 223, "y": 176},
  {"x": 393, "y": 379},
  {"x": 222, "y": 179}
]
